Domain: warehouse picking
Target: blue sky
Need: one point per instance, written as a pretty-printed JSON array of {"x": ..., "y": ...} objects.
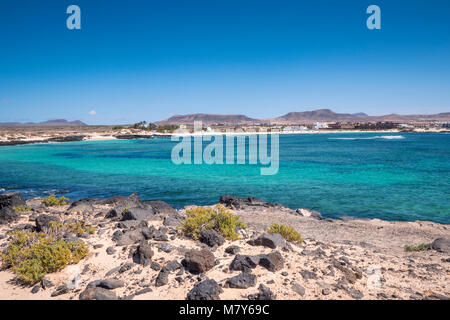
[{"x": 148, "y": 60}]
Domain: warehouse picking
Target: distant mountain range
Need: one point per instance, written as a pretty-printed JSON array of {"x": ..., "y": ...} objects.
[
  {"x": 320, "y": 115},
  {"x": 56, "y": 122}
]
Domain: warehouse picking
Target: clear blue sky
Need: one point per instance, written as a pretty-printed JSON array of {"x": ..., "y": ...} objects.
[{"x": 148, "y": 60}]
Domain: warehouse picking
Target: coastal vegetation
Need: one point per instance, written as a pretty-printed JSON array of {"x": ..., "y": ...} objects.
[
  {"x": 53, "y": 201},
  {"x": 420, "y": 247},
  {"x": 77, "y": 227},
  {"x": 32, "y": 255},
  {"x": 287, "y": 232},
  {"x": 205, "y": 218},
  {"x": 20, "y": 209}
]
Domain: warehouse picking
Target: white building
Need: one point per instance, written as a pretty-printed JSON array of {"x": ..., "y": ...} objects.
[{"x": 320, "y": 125}]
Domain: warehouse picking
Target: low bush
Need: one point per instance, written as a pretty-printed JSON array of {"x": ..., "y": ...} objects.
[
  {"x": 286, "y": 231},
  {"x": 19, "y": 209},
  {"x": 33, "y": 255},
  {"x": 420, "y": 247},
  {"x": 205, "y": 218},
  {"x": 77, "y": 227},
  {"x": 53, "y": 201}
]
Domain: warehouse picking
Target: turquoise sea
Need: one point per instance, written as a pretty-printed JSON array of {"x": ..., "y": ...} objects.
[{"x": 401, "y": 176}]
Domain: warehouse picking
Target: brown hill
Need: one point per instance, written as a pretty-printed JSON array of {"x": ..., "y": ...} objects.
[{"x": 320, "y": 115}]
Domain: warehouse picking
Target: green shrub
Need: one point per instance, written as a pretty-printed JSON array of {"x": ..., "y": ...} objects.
[
  {"x": 19, "y": 209},
  {"x": 286, "y": 231},
  {"x": 420, "y": 247},
  {"x": 33, "y": 255},
  {"x": 77, "y": 227},
  {"x": 205, "y": 218},
  {"x": 52, "y": 201}
]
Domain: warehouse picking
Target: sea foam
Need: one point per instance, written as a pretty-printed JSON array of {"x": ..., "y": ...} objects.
[{"x": 371, "y": 138}]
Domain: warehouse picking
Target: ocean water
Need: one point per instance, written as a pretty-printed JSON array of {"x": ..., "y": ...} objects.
[{"x": 401, "y": 176}]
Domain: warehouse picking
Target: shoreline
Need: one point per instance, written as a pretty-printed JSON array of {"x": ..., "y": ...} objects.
[{"x": 128, "y": 135}]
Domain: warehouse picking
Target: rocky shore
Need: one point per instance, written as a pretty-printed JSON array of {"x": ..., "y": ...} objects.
[{"x": 137, "y": 251}]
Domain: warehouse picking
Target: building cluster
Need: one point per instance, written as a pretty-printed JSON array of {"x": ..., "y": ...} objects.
[{"x": 327, "y": 126}]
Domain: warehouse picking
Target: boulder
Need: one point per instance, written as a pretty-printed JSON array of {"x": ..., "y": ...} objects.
[
  {"x": 173, "y": 266},
  {"x": 211, "y": 238},
  {"x": 270, "y": 240},
  {"x": 81, "y": 206},
  {"x": 244, "y": 262},
  {"x": 233, "y": 250},
  {"x": 163, "y": 278},
  {"x": 243, "y": 281},
  {"x": 172, "y": 221},
  {"x": 132, "y": 201},
  {"x": 128, "y": 224},
  {"x": 264, "y": 293},
  {"x": 298, "y": 288},
  {"x": 205, "y": 290},
  {"x": 143, "y": 254},
  {"x": 43, "y": 222},
  {"x": 11, "y": 199},
  {"x": 128, "y": 237},
  {"x": 139, "y": 214},
  {"x": 97, "y": 293},
  {"x": 273, "y": 261},
  {"x": 441, "y": 245},
  {"x": 241, "y": 203},
  {"x": 199, "y": 261},
  {"x": 106, "y": 284},
  {"x": 160, "y": 207},
  {"x": 8, "y": 215}
]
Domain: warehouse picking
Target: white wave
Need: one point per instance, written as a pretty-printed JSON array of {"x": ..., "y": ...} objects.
[{"x": 371, "y": 138}]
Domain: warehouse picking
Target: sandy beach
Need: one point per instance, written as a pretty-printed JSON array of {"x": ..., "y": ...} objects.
[{"x": 339, "y": 259}]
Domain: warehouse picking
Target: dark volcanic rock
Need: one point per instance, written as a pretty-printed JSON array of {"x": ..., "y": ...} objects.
[
  {"x": 106, "y": 284},
  {"x": 81, "y": 206},
  {"x": 264, "y": 294},
  {"x": 244, "y": 263},
  {"x": 199, "y": 261},
  {"x": 160, "y": 207},
  {"x": 132, "y": 201},
  {"x": 269, "y": 240},
  {"x": 350, "y": 275},
  {"x": 242, "y": 281},
  {"x": 11, "y": 199},
  {"x": 172, "y": 221},
  {"x": 173, "y": 266},
  {"x": 205, "y": 290},
  {"x": 211, "y": 238},
  {"x": 97, "y": 293},
  {"x": 43, "y": 222},
  {"x": 8, "y": 215},
  {"x": 143, "y": 254},
  {"x": 60, "y": 291},
  {"x": 138, "y": 214},
  {"x": 232, "y": 249},
  {"x": 441, "y": 245},
  {"x": 238, "y": 203},
  {"x": 273, "y": 261},
  {"x": 128, "y": 237},
  {"x": 298, "y": 288},
  {"x": 307, "y": 275},
  {"x": 155, "y": 266},
  {"x": 163, "y": 278}
]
